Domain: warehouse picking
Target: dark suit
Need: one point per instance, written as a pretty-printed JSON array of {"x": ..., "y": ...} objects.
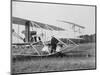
[{"x": 54, "y": 42}]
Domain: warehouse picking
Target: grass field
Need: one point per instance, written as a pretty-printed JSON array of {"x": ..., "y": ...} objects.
[{"x": 82, "y": 57}]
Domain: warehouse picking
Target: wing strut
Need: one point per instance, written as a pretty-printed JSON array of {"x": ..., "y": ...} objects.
[{"x": 65, "y": 43}]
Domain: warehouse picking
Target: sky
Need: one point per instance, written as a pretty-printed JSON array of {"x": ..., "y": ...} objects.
[{"x": 51, "y": 13}]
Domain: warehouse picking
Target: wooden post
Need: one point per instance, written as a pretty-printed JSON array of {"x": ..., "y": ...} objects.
[{"x": 27, "y": 31}]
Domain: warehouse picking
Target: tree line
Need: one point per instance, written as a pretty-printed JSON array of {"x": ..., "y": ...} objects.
[{"x": 83, "y": 39}]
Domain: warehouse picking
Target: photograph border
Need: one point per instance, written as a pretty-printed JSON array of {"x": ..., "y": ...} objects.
[{"x": 56, "y": 4}]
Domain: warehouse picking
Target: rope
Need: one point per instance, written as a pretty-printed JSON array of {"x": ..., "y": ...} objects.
[
  {"x": 18, "y": 36},
  {"x": 35, "y": 49}
]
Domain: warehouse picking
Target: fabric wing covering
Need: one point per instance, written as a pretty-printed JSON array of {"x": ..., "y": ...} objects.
[{"x": 20, "y": 21}]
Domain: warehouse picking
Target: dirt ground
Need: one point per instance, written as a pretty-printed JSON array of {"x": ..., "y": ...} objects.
[{"x": 78, "y": 59}]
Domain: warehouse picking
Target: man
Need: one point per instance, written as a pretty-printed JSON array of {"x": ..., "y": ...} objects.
[
  {"x": 35, "y": 38},
  {"x": 39, "y": 38},
  {"x": 54, "y": 42}
]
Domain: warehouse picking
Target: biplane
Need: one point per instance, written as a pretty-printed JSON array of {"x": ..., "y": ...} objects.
[{"x": 36, "y": 43}]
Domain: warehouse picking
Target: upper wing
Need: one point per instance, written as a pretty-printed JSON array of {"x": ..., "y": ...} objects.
[
  {"x": 72, "y": 24},
  {"x": 20, "y": 21}
]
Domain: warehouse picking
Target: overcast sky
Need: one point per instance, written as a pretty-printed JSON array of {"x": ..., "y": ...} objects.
[{"x": 50, "y": 13}]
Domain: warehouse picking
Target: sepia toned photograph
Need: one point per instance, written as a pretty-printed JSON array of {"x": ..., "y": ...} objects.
[{"x": 52, "y": 37}]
